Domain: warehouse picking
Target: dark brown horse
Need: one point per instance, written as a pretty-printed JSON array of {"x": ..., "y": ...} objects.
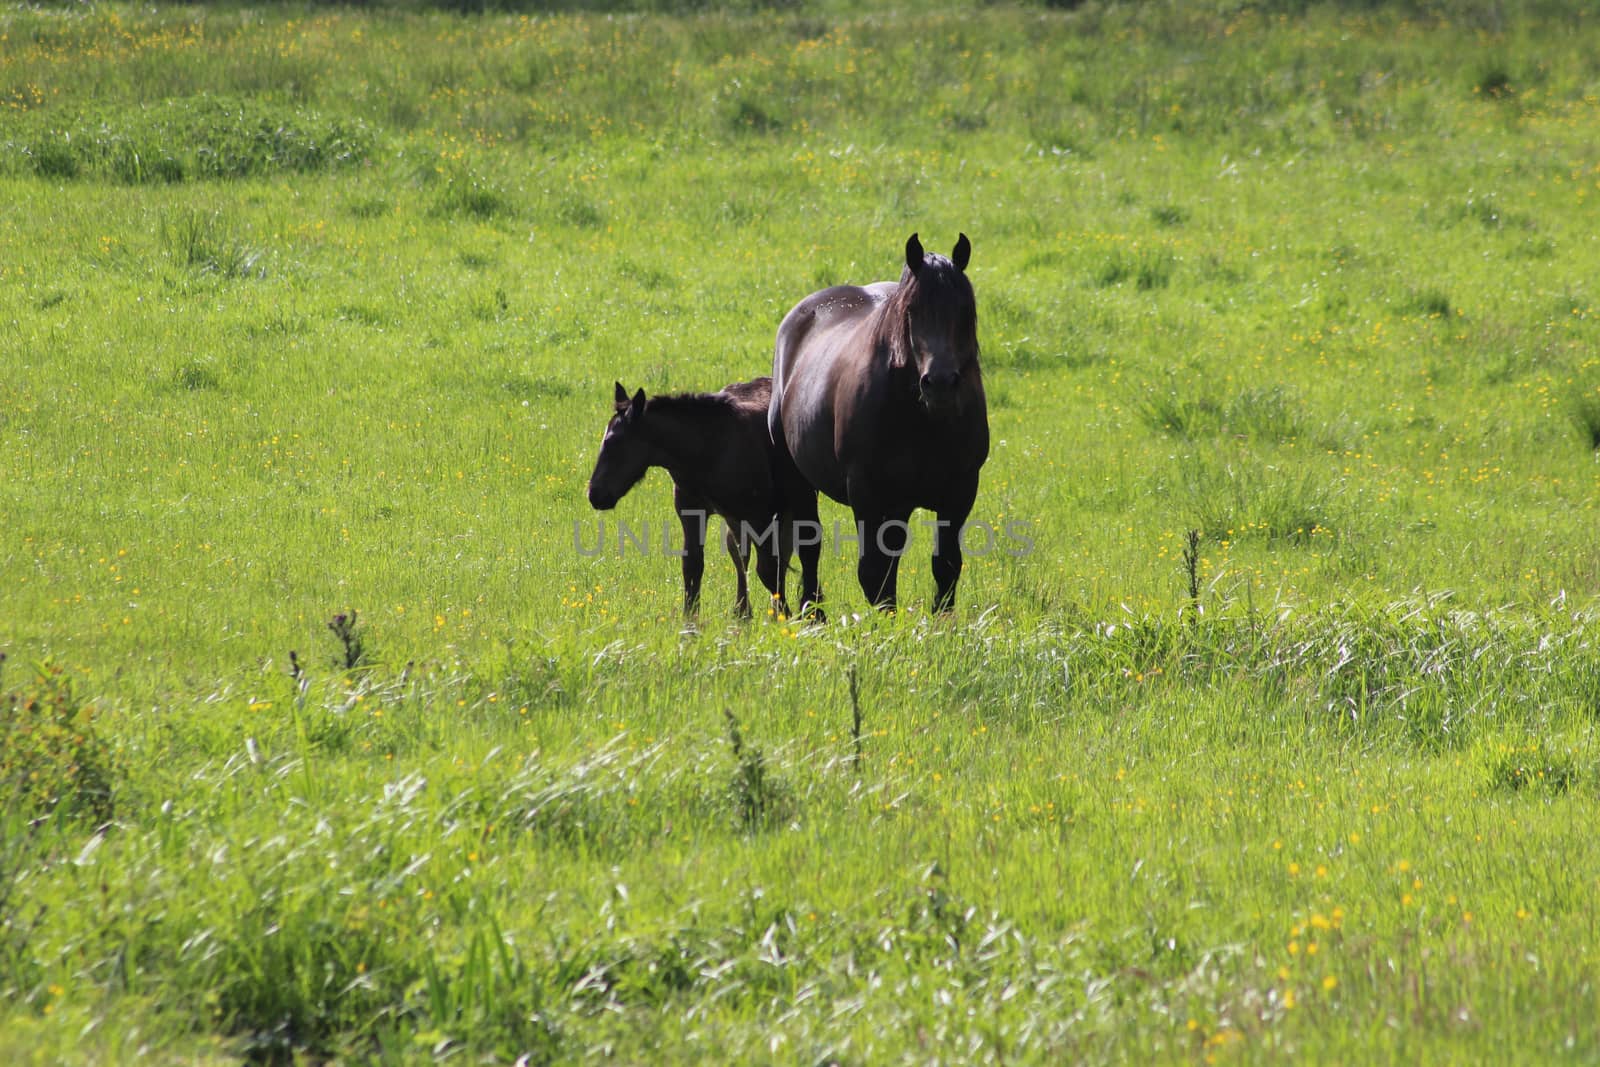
[
  {"x": 716, "y": 447},
  {"x": 878, "y": 399}
]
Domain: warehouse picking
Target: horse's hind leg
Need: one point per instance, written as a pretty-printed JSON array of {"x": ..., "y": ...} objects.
[
  {"x": 799, "y": 529},
  {"x": 771, "y": 558},
  {"x": 739, "y": 551},
  {"x": 805, "y": 530}
]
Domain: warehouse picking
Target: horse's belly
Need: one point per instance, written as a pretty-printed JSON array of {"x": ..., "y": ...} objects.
[
  {"x": 817, "y": 462},
  {"x": 808, "y": 431}
]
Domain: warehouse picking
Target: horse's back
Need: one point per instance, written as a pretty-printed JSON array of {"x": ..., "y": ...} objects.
[
  {"x": 815, "y": 325},
  {"x": 820, "y": 315},
  {"x": 822, "y": 345}
]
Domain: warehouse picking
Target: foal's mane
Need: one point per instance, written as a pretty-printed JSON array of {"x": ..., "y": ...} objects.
[
  {"x": 688, "y": 403},
  {"x": 732, "y": 400}
]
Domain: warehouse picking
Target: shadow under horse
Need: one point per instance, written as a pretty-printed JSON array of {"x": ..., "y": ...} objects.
[
  {"x": 716, "y": 448},
  {"x": 877, "y": 399}
]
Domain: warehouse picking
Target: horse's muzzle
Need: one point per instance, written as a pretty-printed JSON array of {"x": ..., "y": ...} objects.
[
  {"x": 941, "y": 393},
  {"x": 601, "y": 500}
]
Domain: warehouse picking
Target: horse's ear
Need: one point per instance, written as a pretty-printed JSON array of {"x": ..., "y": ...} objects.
[
  {"x": 913, "y": 253},
  {"x": 636, "y": 405},
  {"x": 963, "y": 253},
  {"x": 621, "y": 396}
]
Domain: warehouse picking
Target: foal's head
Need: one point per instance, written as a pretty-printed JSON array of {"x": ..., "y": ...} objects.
[
  {"x": 937, "y": 331},
  {"x": 624, "y": 452}
]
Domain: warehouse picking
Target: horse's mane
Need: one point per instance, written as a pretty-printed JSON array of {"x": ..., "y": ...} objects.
[{"x": 941, "y": 280}]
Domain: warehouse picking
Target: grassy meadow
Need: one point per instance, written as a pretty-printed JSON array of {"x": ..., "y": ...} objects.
[{"x": 328, "y": 738}]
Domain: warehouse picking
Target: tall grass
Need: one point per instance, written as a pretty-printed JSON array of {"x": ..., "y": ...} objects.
[{"x": 462, "y": 891}]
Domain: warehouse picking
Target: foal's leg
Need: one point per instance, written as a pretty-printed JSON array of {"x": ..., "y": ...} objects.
[
  {"x": 947, "y": 544},
  {"x": 883, "y": 542},
  {"x": 693, "y": 515},
  {"x": 739, "y": 551}
]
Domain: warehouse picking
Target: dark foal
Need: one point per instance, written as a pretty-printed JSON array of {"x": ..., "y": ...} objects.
[{"x": 716, "y": 448}]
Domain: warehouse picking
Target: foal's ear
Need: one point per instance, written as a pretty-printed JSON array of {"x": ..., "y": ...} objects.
[
  {"x": 621, "y": 396},
  {"x": 636, "y": 405},
  {"x": 913, "y": 253},
  {"x": 963, "y": 253}
]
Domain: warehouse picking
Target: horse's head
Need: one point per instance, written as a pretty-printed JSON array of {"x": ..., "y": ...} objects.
[
  {"x": 624, "y": 453},
  {"x": 938, "y": 336}
]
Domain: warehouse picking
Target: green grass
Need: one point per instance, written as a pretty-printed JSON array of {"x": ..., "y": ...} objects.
[{"x": 316, "y": 312}]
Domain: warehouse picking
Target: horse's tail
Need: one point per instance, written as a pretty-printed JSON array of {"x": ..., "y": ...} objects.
[{"x": 790, "y": 331}]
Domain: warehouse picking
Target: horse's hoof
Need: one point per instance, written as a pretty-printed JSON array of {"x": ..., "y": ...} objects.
[{"x": 813, "y": 614}]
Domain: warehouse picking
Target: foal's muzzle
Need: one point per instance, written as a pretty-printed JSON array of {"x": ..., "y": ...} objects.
[{"x": 600, "y": 499}]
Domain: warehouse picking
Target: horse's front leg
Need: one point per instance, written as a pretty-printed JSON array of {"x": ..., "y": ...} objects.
[
  {"x": 739, "y": 551},
  {"x": 692, "y": 516},
  {"x": 883, "y": 542},
  {"x": 947, "y": 544}
]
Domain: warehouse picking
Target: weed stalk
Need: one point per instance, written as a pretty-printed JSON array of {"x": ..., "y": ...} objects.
[
  {"x": 1191, "y": 568},
  {"x": 345, "y": 628},
  {"x": 855, "y": 718}
]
